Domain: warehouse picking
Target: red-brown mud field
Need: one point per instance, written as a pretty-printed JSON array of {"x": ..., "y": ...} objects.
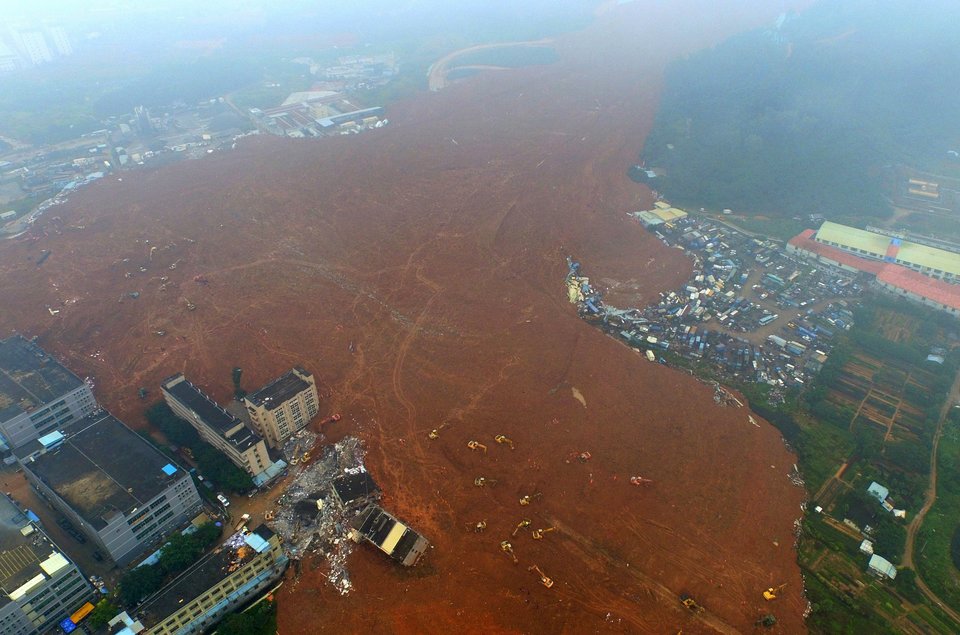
[{"x": 436, "y": 247}]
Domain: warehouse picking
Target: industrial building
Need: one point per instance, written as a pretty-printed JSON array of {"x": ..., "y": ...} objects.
[
  {"x": 389, "y": 535},
  {"x": 218, "y": 427},
  {"x": 284, "y": 406},
  {"x": 111, "y": 484},
  {"x": 908, "y": 269},
  {"x": 219, "y": 583},
  {"x": 39, "y": 585},
  {"x": 37, "y": 394},
  {"x": 661, "y": 214}
]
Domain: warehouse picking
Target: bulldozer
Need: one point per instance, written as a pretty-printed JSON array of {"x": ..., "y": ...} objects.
[
  {"x": 507, "y": 548},
  {"x": 772, "y": 592},
  {"x": 537, "y": 534},
  {"x": 502, "y": 440},
  {"x": 520, "y": 525},
  {"x": 476, "y": 445},
  {"x": 690, "y": 603},
  {"x": 544, "y": 580}
]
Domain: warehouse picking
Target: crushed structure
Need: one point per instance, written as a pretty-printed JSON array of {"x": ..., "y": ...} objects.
[{"x": 388, "y": 534}]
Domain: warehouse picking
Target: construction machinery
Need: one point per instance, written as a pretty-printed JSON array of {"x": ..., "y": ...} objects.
[
  {"x": 507, "y": 548},
  {"x": 544, "y": 580},
  {"x": 537, "y": 534},
  {"x": 529, "y": 498},
  {"x": 690, "y": 603},
  {"x": 767, "y": 621},
  {"x": 520, "y": 525},
  {"x": 772, "y": 592},
  {"x": 639, "y": 480},
  {"x": 476, "y": 445},
  {"x": 434, "y": 434},
  {"x": 482, "y": 481},
  {"x": 331, "y": 419},
  {"x": 480, "y": 526},
  {"x": 502, "y": 440}
]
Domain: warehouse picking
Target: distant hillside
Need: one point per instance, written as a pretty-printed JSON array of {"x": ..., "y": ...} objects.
[{"x": 800, "y": 117}]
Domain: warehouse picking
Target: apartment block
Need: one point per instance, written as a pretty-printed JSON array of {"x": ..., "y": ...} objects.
[
  {"x": 218, "y": 427},
  {"x": 39, "y": 585},
  {"x": 111, "y": 484},
  {"x": 284, "y": 406},
  {"x": 37, "y": 394},
  {"x": 220, "y": 583}
]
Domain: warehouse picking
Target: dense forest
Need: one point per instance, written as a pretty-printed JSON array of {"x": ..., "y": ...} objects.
[{"x": 800, "y": 118}]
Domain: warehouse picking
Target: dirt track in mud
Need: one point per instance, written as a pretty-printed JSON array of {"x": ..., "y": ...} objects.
[{"x": 436, "y": 247}]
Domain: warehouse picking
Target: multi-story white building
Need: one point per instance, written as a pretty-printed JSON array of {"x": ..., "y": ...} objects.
[
  {"x": 37, "y": 394},
  {"x": 284, "y": 406}
]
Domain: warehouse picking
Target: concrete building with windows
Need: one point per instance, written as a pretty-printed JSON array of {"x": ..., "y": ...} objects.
[
  {"x": 218, "y": 427},
  {"x": 37, "y": 394},
  {"x": 219, "y": 583},
  {"x": 283, "y": 406},
  {"x": 39, "y": 585},
  {"x": 112, "y": 485}
]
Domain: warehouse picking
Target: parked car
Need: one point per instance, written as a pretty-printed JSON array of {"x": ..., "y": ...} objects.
[{"x": 223, "y": 500}]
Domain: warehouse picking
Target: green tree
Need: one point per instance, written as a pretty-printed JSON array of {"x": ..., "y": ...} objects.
[
  {"x": 258, "y": 620},
  {"x": 140, "y": 582},
  {"x": 103, "y": 612}
]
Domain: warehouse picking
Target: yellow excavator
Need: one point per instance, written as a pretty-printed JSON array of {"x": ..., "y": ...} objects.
[
  {"x": 502, "y": 440},
  {"x": 482, "y": 481},
  {"x": 529, "y": 498},
  {"x": 507, "y": 548},
  {"x": 434, "y": 434},
  {"x": 520, "y": 525},
  {"x": 538, "y": 533},
  {"x": 544, "y": 580},
  {"x": 773, "y": 592},
  {"x": 476, "y": 445},
  {"x": 690, "y": 603},
  {"x": 479, "y": 527}
]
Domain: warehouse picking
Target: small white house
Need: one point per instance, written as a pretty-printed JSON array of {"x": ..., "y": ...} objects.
[{"x": 881, "y": 567}]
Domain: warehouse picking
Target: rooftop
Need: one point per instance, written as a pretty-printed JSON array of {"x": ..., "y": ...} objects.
[
  {"x": 941, "y": 292},
  {"x": 238, "y": 550},
  {"x": 280, "y": 389},
  {"x": 104, "y": 467},
  {"x": 925, "y": 256},
  {"x": 853, "y": 238},
  {"x": 351, "y": 487},
  {"x": 392, "y": 537},
  {"x": 214, "y": 416},
  {"x": 25, "y": 552},
  {"x": 805, "y": 240},
  {"x": 30, "y": 378}
]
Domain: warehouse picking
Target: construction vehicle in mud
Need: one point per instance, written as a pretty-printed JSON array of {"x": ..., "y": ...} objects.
[
  {"x": 690, "y": 603},
  {"x": 434, "y": 434},
  {"x": 529, "y": 498},
  {"x": 773, "y": 592},
  {"x": 476, "y": 445},
  {"x": 479, "y": 527},
  {"x": 544, "y": 580},
  {"x": 507, "y": 548},
  {"x": 482, "y": 481},
  {"x": 537, "y": 534},
  {"x": 520, "y": 525},
  {"x": 502, "y": 440}
]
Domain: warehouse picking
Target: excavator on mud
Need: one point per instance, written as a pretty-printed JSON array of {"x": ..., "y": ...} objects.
[
  {"x": 480, "y": 526},
  {"x": 507, "y": 548},
  {"x": 537, "y": 534},
  {"x": 529, "y": 498},
  {"x": 476, "y": 445},
  {"x": 520, "y": 525},
  {"x": 544, "y": 580},
  {"x": 482, "y": 481},
  {"x": 773, "y": 592},
  {"x": 502, "y": 440},
  {"x": 690, "y": 603}
]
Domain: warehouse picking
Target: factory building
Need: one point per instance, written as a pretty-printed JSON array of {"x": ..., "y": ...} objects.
[
  {"x": 111, "y": 484},
  {"x": 284, "y": 406},
  {"x": 39, "y": 585},
  {"x": 37, "y": 394},
  {"x": 909, "y": 270},
  {"x": 218, "y": 427},
  {"x": 219, "y": 583}
]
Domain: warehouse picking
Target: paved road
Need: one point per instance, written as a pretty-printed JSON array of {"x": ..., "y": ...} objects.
[{"x": 931, "y": 497}]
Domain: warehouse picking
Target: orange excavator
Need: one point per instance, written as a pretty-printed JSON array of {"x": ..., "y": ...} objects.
[{"x": 544, "y": 580}]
